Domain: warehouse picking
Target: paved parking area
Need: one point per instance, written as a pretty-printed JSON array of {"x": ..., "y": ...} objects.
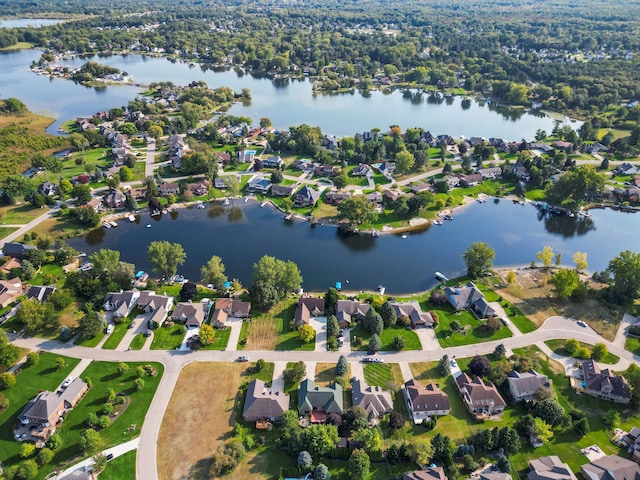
[
  {"x": 319, "y": 324},
  {"x": 278, "y": 376},
  {"x": 139, "y": 326}
]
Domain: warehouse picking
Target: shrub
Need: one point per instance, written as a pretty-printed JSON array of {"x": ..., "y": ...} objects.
[
  {"x": 7, "y": 380},
  {"x": 54, "y": 441},
  {"x": 138, "y": 383},
  {"x": 45, "y": 455},
  {"x": 399, "y": 342},
  {"x": 32, "y": 358}
]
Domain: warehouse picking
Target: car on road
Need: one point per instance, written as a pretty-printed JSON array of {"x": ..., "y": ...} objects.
[
  {"x": 341, "y": 333},
  {"x": 109, "y": 457},
  {"x": 67, "y": 382},
  {"x": 581, "y": 323},
  {"x": 367, "y": 360},
  {"x": 377, "y": 360},
  {"x": 131, "y": 325},
  {"x": 243, "y": 358}
]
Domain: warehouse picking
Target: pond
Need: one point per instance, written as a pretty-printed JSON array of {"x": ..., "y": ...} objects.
[
  {"x": 286, "y": 102},
  {"x": 242, "y": 234},
  {"x": 28, "y": 22}
]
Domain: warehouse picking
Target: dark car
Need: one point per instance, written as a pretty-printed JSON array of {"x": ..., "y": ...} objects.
[{"x": 110, "y": 456}]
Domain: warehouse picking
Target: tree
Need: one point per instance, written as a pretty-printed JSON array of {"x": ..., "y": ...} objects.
[
  {"x": 444, "y": 366},
  {"x": 207, "y": 334},
  {"x": 306, "y": 333},
  {"x": 399, "y": 342},
  {"x": 396, "y": 421},
  {"x": 611, "y": 418},
  {"x": 33, "y": 358},
  {"x": 580, "y": 259},
  {"x": 388, "y": 314},
  {"x": 359, "y": 465},
  {"x": 504, "y": 464},
  {"x": 45, "y": 455},
  {"x": 442, "y": 449},
  {"x": 421, "y": 451},
  {"x": 331, "y": 300},
  {"x": 276, "y": 177},
  {"x": 370, "y": 439},
  {"x": 573, "y": 187},
  {"x": 304, "y": 460},
  {"x": 81, "y": 192},
  {"x": 32, "y": 314},
  {"x": 479, "y": 258},
  {"x": 404, "y": 161},
  {"x": 374, "y": 344},
  {"x": 599, "y": 351},
  {"x": 273, "y": 279},
  {"x": 546, "y": 256},
  {"x": 213, "y": 273},
  {"x": 123, "y": 368},
  {"x": 166, "y": 257},
  {"x": 321, "y": 472},
  {"x": 565, "y": 282},
  {"x": 188, "y": 291},
  {"x": 89, "y": 440},
  {"x": 333, "y": 328},
  {"x": 9, "y": 353},
  {"x": 479, "y": 365},
  {"x": 90, "y": 324},
  {"x": 357, "y": 209},
  {"x": 27, "y": 470},
  {"x": 138, "y": 383},
  {"x": 342, "y": 366},
  {"x": 99, "y": 462},
  {"x": 7, "y": 380},
  {"x": 624, "y": 274},
  {"x": 541, "y": 430},
  {"x": 155, "y": 131},
  {"x": 581, "y": 426},
  {"x": 550, "y": 411},
  {"x": 500, "y": 351},
  {"x": 296, "y": 373},
  {"x": 61, "y": 363}
]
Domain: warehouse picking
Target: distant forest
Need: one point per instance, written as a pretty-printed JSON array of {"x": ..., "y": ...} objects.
[{"x": 580, "y": 57}]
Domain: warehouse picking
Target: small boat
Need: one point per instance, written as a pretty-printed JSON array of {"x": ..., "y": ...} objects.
[
  {"x": 441, "y": 277},
  {"x": 571, "y": 214},
  {"x": 155, "y": 213},
  {"x": 164, "y": 211},
  {"x": 114, "y": 224},
  {"x": 288, "y": 217},
  {"x": 263, "y": 204},
  {"x": 404, "y": 236},
  {"x": 148, "y": 225},
  {"x": 106, "y": 225},
  {"x": 375, "y": 233},
  {"x": 246, "y": 199},
  {"x": 437, "y": 222},
  {"x": 132, "y": 218},
  {"x": 521, "y": 202},
  {"x": 226, "y": 202},
  {"x": 448, "y": 217}
]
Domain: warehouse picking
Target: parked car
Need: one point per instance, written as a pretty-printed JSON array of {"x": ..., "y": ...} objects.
[
  {"x": 505, "y": 320},
  {"x": 147, "y": 333},
  {"x": 367, "y": 360},
  {"x": 243, "y": 358},
  {"x": 67, "y": 382},
  {"x": 109, "y": 457},
  {"x": 581, "y": 323},
  {"x": 109, "y": 328},
  {"x": 377, "y": 360}
]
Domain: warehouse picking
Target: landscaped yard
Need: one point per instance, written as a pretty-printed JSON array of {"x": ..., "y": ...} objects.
[
  {"x": 29, "y": 382},
  {"x": 91, "y": 342},
  {"x": 326, "y": 375},
  {"x": 117, "y": 335},
  {"x": 557, "y": 346},
  {"x": 473, "y": 330},
  {"x": 385, "y": 375},
  {"x": 21, "y": 214},
  {"x": 120, "y": 468},
  {"x": 167, "y": 338},
  {"x": 220, "y": 341},
  {"x": 386, "y": 338},
  {"x": 633, "y": 345},
  {"x": 138, "y": 342}
]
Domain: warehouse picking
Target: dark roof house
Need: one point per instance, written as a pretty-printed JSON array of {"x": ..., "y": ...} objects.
[
  {"x": 306, "y": 197},
  {"x": 308, "y": 307},
  {"x": 191, "y": 314},
  {"x": 348, "y": 310},
  {"x": 16, "y": 250},
  {"x": 419, "y": 319},
  {"x": 549, "y": 468},
  {"x": 611, "y": 467},
  {"x": 424, "y": 402},
  {"x": 481, "y": 398},
  {"x": 469, "y": 296},
  {"x": 264, "y": 403},
  {"x": 524, "y": 385},
  {"x": 312, "y": 398},
  {"x": 431, "y": 473},
  {"x": 40, "y": 292},
  {"x": 605, "y": 384},
  {"x": 373, "y": 400}
]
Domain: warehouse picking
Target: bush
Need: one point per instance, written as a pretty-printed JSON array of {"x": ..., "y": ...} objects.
[
  {"x": 32, "y": 358},
  {"x": 399, "y": 342},
  {"x": 65, "y": 333},
  {"x": 7, "y": 380},
  {"x": 138, "y": 383},
  {"x": 396, "y": 421},
  {"x": 54, "y": 441},
  {"x": 45, "y": 455}
]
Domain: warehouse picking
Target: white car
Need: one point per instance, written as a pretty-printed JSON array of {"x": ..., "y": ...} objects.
[
  {"x": 243, "y": 358},
  {"x": 67, "y": 382},
  {"x": 109, "y": 328},
  {"x": 581, "y": 323}
]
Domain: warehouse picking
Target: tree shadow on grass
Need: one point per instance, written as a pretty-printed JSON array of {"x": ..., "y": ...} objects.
[{"x": 200, "y": 470}]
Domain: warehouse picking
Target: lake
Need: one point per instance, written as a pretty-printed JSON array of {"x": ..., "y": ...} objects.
[
  {"x": 28, "y": 22},
  {"x": 242, "y": 236},
  {"x": 285, "y": 102}
]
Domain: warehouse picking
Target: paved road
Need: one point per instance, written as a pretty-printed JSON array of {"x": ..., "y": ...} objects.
[
  {"x": 18, "y": 234},
  {"x": 151, "y": 157},
  {"x": 174, "y": 361}
]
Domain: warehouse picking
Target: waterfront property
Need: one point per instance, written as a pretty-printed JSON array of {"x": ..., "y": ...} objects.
[
  {"x": 524, "y": 385},
  {"x": 308, "y": 307},
  {"x": 373, "y": 400},
  {"x": 263, "y": 403},
  {"x": 306, "y": 197},
  {"x": 229, "y": 307},
  {"x": 156, "y": 306},
  {"x": 469, "y": 297},
  {"x": 121, "y": 303},
  {"x": 317, "y": 402},
  {"x": 604, "y": 384},
  {"x": 425, "y": 402},
  {"x": 348, "y": 311},
  {"x": 259, "y": 185},
  {"x": 412, "y": 310},
  {"x": 191, "y": 314},
  {"x": 16, "y": 250}
]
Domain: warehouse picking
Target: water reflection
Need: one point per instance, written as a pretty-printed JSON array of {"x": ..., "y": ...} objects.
[
  {"x": 356, "y": 243},
  {"x": 95, "y": 236},
  {"x": 235, "y": 214},
  {"x": 215, "y": 211},
  {"x": 568, "y": 227},
  {"x": 174, "y": 214},
  {"x": 465, "y": 104}
]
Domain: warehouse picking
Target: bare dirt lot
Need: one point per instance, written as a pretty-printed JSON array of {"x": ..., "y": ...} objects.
[
  {"x": 201, "y": 415},
  {"x": 533, "y": 295}
]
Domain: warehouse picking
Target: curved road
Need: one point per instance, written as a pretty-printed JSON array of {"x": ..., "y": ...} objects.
[{"x": 174, "y": 361}]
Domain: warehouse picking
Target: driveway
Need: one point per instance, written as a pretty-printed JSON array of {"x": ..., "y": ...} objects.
[
  {"x": 191, "y": 332},
  {"x": 278, "y": 376},
  {"x": 87, "y": 465},
  {"x": 311, "y": 370},
  {"x": 405, "y": 369},
  {"x": 345, "y": 349},
  {"x": 235, "y": 324},
  {"x": 427, "y": 338},
  {"x": 140, "y": 326},
  {"x": 357, "y": 371},
  {"x": 151, "y": 157},
  {"x": 621, "y": 335},
  {"x": 319, "y": 324}
]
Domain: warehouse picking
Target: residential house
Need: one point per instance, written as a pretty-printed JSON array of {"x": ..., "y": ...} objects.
[
  {"x": 200, "y": 188},
  {"x": 177, "y": 148},
  {"x": 391, "y": 195},
  {"x": 10, "y": 290},
  {"x": 611, "y": 467},
  {"x": 229, "y": 307},
  {"x": 388, "y": 167},
  {"x": 475, "y": 141},
  {"x": 417, "y": 187},
  {"x": 16, "y": 250},
  {"x": 564, "y": 146},
  {"x": 494, "y": 476},
  {"x": 524, "y": 385},
  {"x": 499, "y": 144},
  {"x": 325, "y": 171},
  {"x": 47, "y": 408},
  {"x": 95, "y": 204},
  {"x": 112, "y": 171},
  {"x": 431, "y": 473},
  {"x": 273, "y": 162},
  {"x": 469, "y": 297},
  {"x": 246, "y": 156},
  {"x": 375, "y": 198},
  {"x": 541, "y": 147},
  {"x": 219, "y": 183},
  {"x": 138, "y": 193},
  {"x": 481, "y": 398},
  {"x": 9, "y": 265},
  {"x": 40, "y": 292},
  {"x": 114, "y": 199},
  {"x": 334, "y": 198},
  {"x": 368, "y": 136},
  {"x": 282, "y": 190},
  {"x": 349, "y": 310},
  {"x": 425, "y": 402},
  {"x": 259, "y": 185},
  {"x": 470, "y": 180},
  {"x": 445, "y": 140},
  {"x": 419, "y": 319},
  {"x": 605, "y": 384},
  {"x": 427, "y": 137},
  {"x": 636, "y": 181},
  {"x": 319, "y": 401},
  {"x": 452, "y": 181},
  {"x": 306, "y": 197},
  {"x": 224, "y": 158},
  {"x": 168, "y": 189},
  {"x": 362, "y": 170},
  {"x": 597, "y": 148},
  {"x": 191, "y": 314},
  {"x": 490, "y": 173},
  {"x": 303, "y": 164},
  {"x": 308, "y": 307},
  {"x": 156, "y": 305},
  {"x": 264, "y": 403},
  {"x": 549, "y": 468},
  {"x": 373, "y": 400},
  {"x": 626, "y": 169},
  {"x": 632, "y": 441},
  {"x": 81, "y": 179},
  {"x": 521, "y": 171},
  {"x": 330, "y": 142},
  {"x": 121, "y": 303},
  {"x": 48, "y": 189}
]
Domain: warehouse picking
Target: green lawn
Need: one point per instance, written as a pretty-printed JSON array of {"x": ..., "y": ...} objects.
[
  {"x": 120, "y": 468},
  {"x": 167, "y": 338},
  {"x": 21, "y": 214},
  {"x": 633, "y": 345},
  {"x": 474, "y": 331},
  {"x": 96, "y": 157},
  {"x": 558, "y": 347},
  {"x": 50, "y": 270},
  {"x": 243, "y": 335},
  {"x": 105, "y": 375},
  {"x": 117, "y": 335},
  {"x": 30, "y": 381},
  {"x": 91, "y": 342},
  {"x": 386, "y": 338},
  {"x": 220, "y": 341},
  {"x": 386, "y": 375},
  {"x": 515, "y": 315},
  {"x": 138, "y": 342},
  {"x": 6, "y": 231}
]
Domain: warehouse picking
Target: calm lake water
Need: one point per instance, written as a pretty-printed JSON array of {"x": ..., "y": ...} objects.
[
  {"x": 285, "y": 102},
  {"x": 516, "y": 233},
  {"x": 28, "y": 22}
]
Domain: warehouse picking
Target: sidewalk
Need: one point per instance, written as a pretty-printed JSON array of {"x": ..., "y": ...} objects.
[{"x": 87, "y": 464}]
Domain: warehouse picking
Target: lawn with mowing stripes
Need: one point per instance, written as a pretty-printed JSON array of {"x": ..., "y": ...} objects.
[
  {"x": 91, "y": 342},
  {"x": 120, "y": 468},
  {"x": 386, "y": 375},
  {"x": 29, "y": 382},
  {"x": 138, "y": 342},
  {"x": 412, "y": 342},
  {"x": 167, "y": 338},
  {"x": 117, "y": 335}
]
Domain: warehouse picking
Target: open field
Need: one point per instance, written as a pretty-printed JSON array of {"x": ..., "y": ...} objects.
[
  {"x": 120, "y": 468},
  {"x": 198, "y": 405},
  {"x": 6, "y": 231},
  {"x": 534, "y": 297},
  {"x": 21, "y": 214}
]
